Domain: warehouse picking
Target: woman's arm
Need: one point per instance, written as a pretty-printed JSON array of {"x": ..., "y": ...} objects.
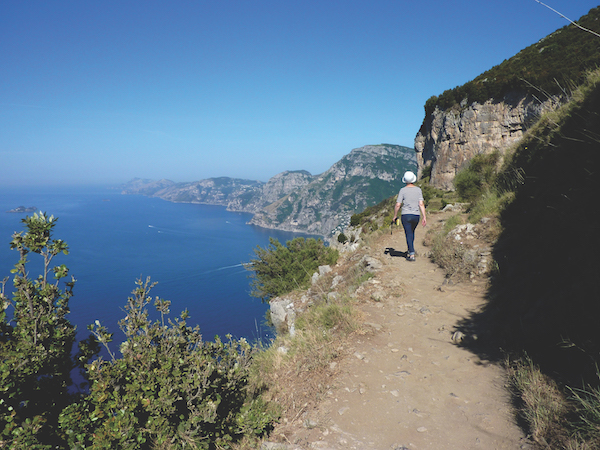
[
  {"x": 422, "y": 208},
  {"x": 396, "y": 209}
]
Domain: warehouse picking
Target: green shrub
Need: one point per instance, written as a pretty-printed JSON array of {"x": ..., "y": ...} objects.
[
  {"x": 368, "y": 216},
  {"x": 429, "y": 192},
  {"x": 279, "y": 269},
  {"x": 342, "y": 238},
  {"x": 489, "y": 204},
  {"x": 170, "y": 388}
]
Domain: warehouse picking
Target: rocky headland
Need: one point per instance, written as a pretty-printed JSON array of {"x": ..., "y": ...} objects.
[{"x": 296, "y": 200}]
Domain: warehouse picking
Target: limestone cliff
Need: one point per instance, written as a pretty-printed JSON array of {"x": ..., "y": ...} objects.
[
  {"x": 277, "y": 187},
  {"x": 448, "y": 139},
  {"x": 493, "y": 110}
]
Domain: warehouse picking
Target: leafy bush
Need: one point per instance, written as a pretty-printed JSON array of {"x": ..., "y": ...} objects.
[
  {"x": 355, "y": 220},
  {"x": 279, "y": 269},
  {"x": 369, "y": 215},
  {"x": 169, "y": 388},
  {"x": 490, "y": 204},
  {"x": 342, "y": 238},
  {"x": 430, "y": 193},
  {"x": 36, "y": 343}
]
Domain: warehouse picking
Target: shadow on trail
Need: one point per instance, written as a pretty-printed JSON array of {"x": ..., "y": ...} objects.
[{"x": 392, "y": 252}]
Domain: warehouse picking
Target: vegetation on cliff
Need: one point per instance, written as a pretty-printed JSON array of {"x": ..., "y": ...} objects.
[
  {"x": 544, "y": 296},
  {"x": 549, "y": 67}
]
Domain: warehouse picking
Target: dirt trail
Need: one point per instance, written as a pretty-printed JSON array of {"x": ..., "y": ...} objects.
[{"x": 408, "y": 385}]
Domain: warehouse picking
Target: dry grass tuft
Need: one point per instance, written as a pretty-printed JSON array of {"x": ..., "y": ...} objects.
[
  {"x": 541, "y": 404},
  {"x": 554, "y": 420}
]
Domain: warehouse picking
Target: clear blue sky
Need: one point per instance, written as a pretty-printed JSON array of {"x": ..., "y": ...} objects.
[{"x": 104, "y": 91}]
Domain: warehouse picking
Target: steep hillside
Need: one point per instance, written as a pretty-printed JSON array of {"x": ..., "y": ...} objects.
[
  {"x": 277, "y": 187},
  {"x": 360, "y": 179},
  {"x": 544, "y": 296},
  {"x": 213, "y": 191},
  {"x": 493, "y": 111},
  {"x": 234, "y": 193}
]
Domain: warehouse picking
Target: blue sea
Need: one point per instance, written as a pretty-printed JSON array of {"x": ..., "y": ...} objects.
[{"x": 194, "y": 252}]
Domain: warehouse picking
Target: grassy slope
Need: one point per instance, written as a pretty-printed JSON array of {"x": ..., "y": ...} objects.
[{"x": 544, "y": 68}]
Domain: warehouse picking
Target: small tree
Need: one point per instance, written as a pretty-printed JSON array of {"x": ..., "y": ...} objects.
[
  {"x": 36, "y": 342},
  {"x": 279, "y": 269}
]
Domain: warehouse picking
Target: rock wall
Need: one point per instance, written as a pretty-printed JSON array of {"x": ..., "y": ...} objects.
[{"x": 448, "y": 139}]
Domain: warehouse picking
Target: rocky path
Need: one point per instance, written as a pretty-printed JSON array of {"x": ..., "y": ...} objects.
[{"x": 408, "y": 385}]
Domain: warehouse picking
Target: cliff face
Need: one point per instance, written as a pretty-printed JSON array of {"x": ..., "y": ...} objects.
[
  {"x": 362, "y": 178},
  {"x": 448, "y": 139},
  {"x": 493, "y": 110}
]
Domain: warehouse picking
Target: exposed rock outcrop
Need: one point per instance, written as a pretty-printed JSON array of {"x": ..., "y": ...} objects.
[{"x": 448, "y": 139}]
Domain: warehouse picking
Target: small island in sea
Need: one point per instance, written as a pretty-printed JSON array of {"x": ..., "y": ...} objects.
[{"x": 22, "y": 209}]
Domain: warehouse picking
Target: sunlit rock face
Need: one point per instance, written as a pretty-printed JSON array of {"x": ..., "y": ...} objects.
[{"x": 448, "y": 139}]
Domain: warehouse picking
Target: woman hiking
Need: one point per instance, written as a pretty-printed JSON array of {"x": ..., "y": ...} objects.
[{"x": 410, "y": 199}]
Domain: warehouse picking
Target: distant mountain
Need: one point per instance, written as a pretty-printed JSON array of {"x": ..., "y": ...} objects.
[
  {"x": 296, "y": 200},
  {"x": 145, "y": 186},
  {"x": 234, "y": 193},
  {"x": 22, "y": 209},
  {"x": 360, "y": 179}
]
